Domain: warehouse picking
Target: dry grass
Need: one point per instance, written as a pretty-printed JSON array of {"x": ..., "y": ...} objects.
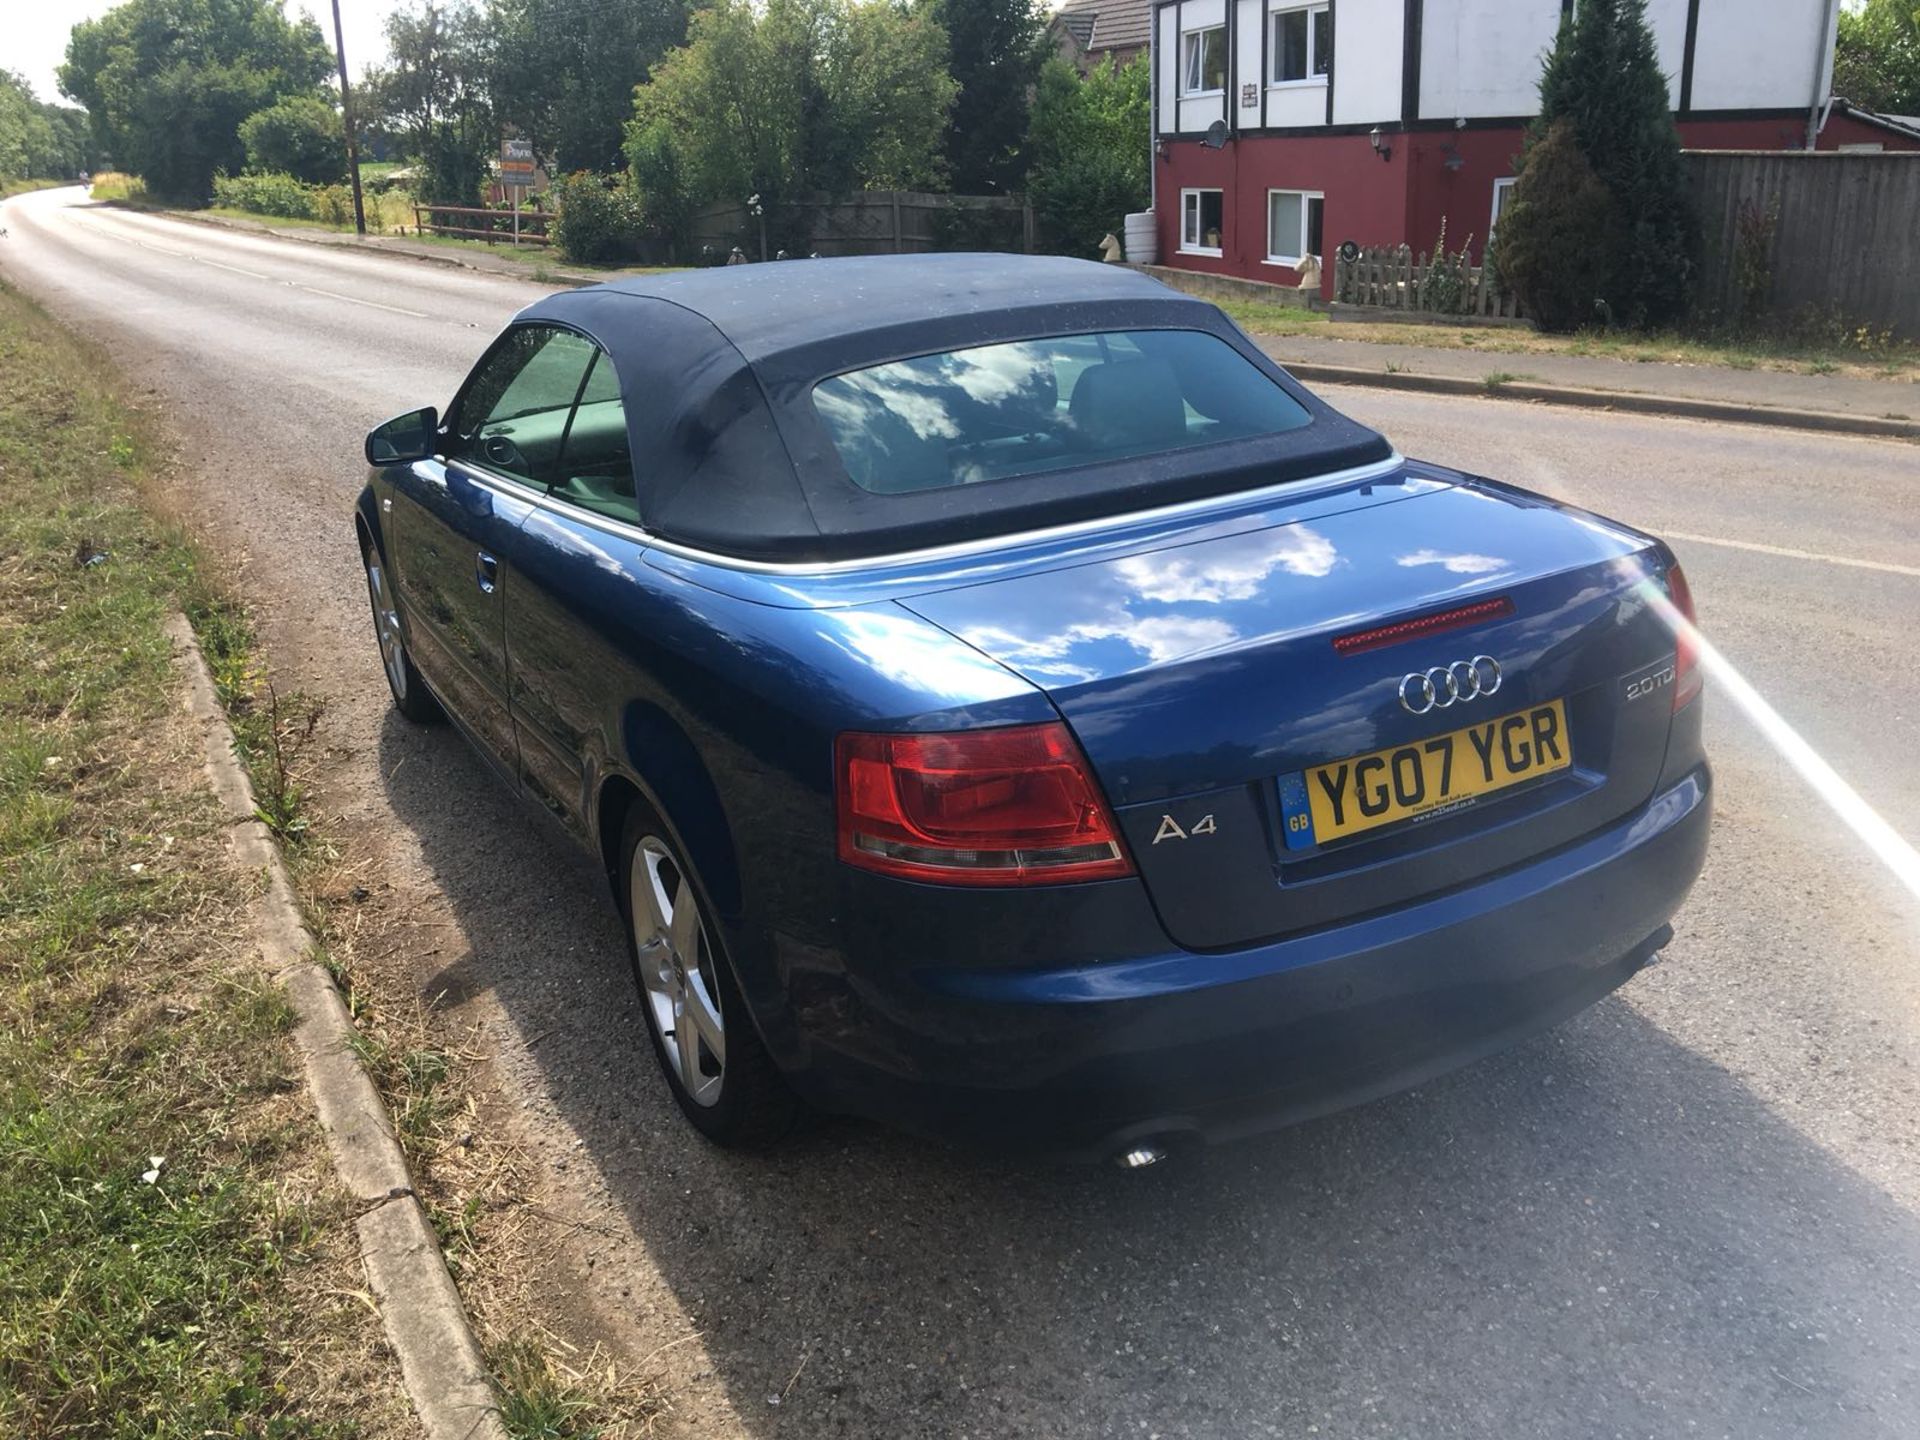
[
  {"x": 1811, "y": 347},
  {"x": 174, "y": 1256},
  {"x": 478, "y": 1189},
  {"x": 115, "y": 185}
]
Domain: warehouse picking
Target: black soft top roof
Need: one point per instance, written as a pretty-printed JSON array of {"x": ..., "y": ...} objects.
[{"x": 717, "y": 369}]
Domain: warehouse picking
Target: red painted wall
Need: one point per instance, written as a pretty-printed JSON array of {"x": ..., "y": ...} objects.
[
  {"x": 1366, "y": 196},
  {"x": 1404, "y": 198}
]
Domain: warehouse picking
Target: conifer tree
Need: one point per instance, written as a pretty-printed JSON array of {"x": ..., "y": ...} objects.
[{"x": 1603, "y": 78}]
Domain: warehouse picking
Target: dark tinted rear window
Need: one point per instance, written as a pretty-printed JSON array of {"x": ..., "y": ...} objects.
[{"x": 1027, "y": 406}]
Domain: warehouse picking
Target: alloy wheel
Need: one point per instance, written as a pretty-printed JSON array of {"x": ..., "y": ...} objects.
[
  {"x": 677, "y": 970},
  {"x": 386, "y": 628}
]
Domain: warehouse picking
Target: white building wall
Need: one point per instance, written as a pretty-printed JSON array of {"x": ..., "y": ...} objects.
[
  {"x": 1668, "y": 21},
  {"x": 1166, "y": 69},
  {"x": 1759, "y": 54},
  {"x": 1482, "y": 58},
  {"x": 1250, "y": 64},
  {"x": 1368, "y": 43}
]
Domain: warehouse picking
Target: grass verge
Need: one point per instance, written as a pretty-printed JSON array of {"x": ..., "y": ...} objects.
[
  {"x": 225, "y": 1297},
  {"x": 21, "y": 187},
  {"x": 1813, "y": 348},
  {"x": 118, "y": 187},
  {"x": 395, "y": 218},
  {"x": 174, "y": 1257}
]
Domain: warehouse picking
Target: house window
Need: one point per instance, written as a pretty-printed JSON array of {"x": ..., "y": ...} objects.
[
  {"x": 1300, "y": 45},
  {"x": 1203, "y": 65},
  {"x": 1293, "y": 225},
  {"x": 1200, "y": 212},
  {"x": 1502, "y": 201}
]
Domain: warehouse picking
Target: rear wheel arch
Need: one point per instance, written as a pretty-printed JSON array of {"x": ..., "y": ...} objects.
[{"x": 661, "y": 766}]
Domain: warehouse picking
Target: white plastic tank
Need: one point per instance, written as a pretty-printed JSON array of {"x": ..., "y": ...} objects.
[{"x": 1142, "y": 243}]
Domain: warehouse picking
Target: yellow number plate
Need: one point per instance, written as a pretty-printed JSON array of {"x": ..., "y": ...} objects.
[{"x": 1367, "y": 791}]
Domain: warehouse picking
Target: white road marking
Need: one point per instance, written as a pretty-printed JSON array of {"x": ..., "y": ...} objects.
[
  {"x": 356, "y": 300},
  {"x": 220, "y": 265},
  {"x": 1885, "y": 567}
]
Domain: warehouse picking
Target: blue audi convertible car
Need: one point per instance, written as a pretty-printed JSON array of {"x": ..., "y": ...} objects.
[{"x": 1006, "y": 704}]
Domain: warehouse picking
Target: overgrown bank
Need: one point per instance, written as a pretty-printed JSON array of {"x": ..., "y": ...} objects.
[{"x": 174, "y": 1258}]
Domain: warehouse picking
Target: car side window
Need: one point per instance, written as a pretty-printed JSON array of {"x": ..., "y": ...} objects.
[
  {"x": 514, "y": 413},
  {"x": 596, "y": 467}
]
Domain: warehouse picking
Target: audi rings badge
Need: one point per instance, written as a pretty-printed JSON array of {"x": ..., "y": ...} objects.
[{"x": 1446, "y": 685}]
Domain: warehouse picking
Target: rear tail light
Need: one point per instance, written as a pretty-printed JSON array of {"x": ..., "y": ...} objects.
[
  {"x": 1687, "y": 679},
  {"x": 1012, "y": 806}
]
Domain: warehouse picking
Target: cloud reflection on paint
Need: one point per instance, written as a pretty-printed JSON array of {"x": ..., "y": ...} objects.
[
  {"x": 1453, "y": 562},
  {"x": 1228, "y": 570}
]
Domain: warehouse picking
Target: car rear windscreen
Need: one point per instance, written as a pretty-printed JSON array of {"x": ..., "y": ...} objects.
[{"x": 1027, "y": 406}]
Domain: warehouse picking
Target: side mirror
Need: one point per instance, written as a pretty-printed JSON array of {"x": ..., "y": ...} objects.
[{"x": 405, "y": 438}]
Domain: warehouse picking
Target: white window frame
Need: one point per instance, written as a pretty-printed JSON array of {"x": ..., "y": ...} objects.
[
  {"x": 1193, "y": 63},
  {"x": 1307, "y": 197},
  {"x": 1500, "y": 187},
  {"x": 1273, "y": 47},
  {"x": 1197, "y": 245}
]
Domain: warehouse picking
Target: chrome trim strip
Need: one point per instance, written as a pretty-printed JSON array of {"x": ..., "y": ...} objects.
[{"x": 1021, "y": 539}]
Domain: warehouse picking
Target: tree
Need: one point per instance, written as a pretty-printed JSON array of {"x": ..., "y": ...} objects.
[
  {"x": 1548, "y": 246},
  {"x": 1088, "y": 151},
  {"x": 167, "y": 82},
  {"x": 994, "y": 54},
  {"x": 301, "y": 136},
  {"x": 564, "y": 71},
  {"x": 792, "y": 97},
  {"x": 432, "y": 94},
  {"x": 39, "y": 141},
  {"x": 1603, "y": 78},
  {"x": 1876, "y": 60}
]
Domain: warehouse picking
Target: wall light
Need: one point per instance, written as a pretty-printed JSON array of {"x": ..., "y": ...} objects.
[{"x": 1381, "y": 147}]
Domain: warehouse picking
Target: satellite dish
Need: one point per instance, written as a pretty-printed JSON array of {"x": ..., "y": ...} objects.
[
  {"x": 1349, "y": 251},
  {"x": 1216, "y": 135}
]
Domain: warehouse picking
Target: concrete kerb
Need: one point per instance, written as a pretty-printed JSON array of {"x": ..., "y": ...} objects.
[
  {"x": 440, "y": 1357},
  {"x": 1631, "y": 401}
]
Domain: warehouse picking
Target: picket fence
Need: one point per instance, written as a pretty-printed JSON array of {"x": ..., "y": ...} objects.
[{"x": 1392, "y": 278}]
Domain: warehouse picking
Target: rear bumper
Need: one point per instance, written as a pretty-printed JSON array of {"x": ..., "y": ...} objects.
[{"x": 1086, "y": 1058}]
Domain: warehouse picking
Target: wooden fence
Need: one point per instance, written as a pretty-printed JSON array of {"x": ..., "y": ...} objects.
[
  {"x": 1391, "y": 278},
  {"x": 1843, "y": 241},
  {"x": 872, "y": 222},
  {"x": 471, "y": 222}
]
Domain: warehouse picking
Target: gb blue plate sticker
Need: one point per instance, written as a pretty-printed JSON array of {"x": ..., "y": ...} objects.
[{"x": 1296, "y": 814}]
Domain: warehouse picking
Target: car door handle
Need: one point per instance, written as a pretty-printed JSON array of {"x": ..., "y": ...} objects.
[{"x": 486, "y": 572}]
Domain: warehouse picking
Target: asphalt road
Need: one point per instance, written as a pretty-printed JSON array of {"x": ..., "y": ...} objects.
[{"x": 1694, "y": 1210}]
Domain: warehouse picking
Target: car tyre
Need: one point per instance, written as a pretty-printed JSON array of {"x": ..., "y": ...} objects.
[
  {"x": 719, "y": 1071},
  {"x": 411, "y": 697}
]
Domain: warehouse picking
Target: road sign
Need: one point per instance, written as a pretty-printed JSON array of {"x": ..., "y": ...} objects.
[{"x": 516, "y": 162}]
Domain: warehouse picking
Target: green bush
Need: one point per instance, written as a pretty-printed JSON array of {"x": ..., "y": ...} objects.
[
  {"x": 658, "y": 172},
  {"x": 279, "y": 195},
  {"x": 453, "y": 166},
  {"x": 299, "y": 136},
  {"x": 1088, "y": 147},
  {"x": 333, "y": 205},
  {"x": 597, "y": 219},
  {"x": 1553, "y": 246},
  {"x": 1083, "y": 197},
  {"x": 1448, "y": 283}
]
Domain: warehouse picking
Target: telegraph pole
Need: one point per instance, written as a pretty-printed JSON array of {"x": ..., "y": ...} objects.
[{"x": 346, "y": 115}]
